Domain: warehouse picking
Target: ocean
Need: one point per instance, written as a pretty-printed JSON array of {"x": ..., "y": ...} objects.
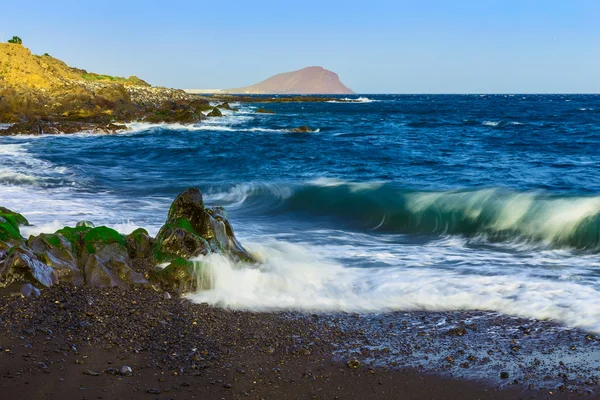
[{"x": 393, "y": 203}]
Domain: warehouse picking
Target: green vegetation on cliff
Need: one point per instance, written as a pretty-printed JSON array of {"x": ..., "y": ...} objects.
[
  {"x": 132, "y": 80},
  {"x": 15, "y": 40}
]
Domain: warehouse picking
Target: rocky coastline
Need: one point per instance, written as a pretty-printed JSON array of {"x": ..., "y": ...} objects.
[
  {"x": 42, "y": 95},
  {"x": 86, "y": 312},
  {"x": 88, "y": 309}
]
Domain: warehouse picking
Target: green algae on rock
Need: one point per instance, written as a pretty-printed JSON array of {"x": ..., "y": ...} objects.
[
  {"x": 177, "y": 277},
  {"x": 57, "y": 252},
  {"x": 102, "y": 257},
  {"x": 74, "y": 236},
  {"x": 9, "y": 225},
  {"x": 139, "y": 243}
]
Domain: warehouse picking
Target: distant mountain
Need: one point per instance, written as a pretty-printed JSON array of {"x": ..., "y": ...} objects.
[{"x": 310, "y": 80}]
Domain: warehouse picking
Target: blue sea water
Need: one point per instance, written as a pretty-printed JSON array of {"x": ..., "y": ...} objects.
[{"x": 396, "y": 202}]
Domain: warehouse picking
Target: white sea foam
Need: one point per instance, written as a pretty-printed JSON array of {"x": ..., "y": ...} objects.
[
  {"x": 491, "y": 123},
  {"x": 51, "y": 209},
  {"x": 19, "y": 167},
  {"x": 298, "y": 277},
  {"x": 351, "y": 101},
  {"x": 354, "y": 186},
  {"x": 237, "y": 195},
  {"x": 201, "y": 126}
]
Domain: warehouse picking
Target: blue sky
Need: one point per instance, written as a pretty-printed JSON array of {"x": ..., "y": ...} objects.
[{"x": 375, "y": 46}]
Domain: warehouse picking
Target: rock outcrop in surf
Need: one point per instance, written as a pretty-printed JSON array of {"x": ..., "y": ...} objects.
[{"x": 102, "y": 257}]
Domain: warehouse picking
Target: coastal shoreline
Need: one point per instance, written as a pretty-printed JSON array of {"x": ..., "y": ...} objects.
[
  {"x": 82, "y": 302},
  {"x": 78, "y": 298},
  {"x": 43, "y": 95},
  {"x": 73, "y": 341}
]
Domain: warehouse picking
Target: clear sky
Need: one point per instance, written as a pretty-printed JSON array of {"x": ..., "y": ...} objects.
[{"x": 376, "y": 46}]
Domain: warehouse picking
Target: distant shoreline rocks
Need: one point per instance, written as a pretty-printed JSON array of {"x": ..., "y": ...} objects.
[
  {"x": 263, "y": 110},
  {"x": 302, "y": 129},
  {"x": 41, "y": 95}
]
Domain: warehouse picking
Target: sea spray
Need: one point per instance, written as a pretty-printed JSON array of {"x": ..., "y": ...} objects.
[{"x": 298, "y": 278}]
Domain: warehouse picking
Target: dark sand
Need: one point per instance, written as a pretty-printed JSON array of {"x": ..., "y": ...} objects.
[{"x": 71, "y": 344}]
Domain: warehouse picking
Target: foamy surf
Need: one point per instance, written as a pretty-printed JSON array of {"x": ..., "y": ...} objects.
[
  {"x": 351, "y": 100},
  {"x": 293, "y": 277},
  {"x": 220, "y": 126}
]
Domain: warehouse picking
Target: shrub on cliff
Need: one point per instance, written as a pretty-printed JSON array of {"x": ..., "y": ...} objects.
[{"x": 15, "y": 40}]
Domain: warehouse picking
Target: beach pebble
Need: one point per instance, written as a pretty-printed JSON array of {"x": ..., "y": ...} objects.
[
  {"x": 504, "y": 375},
  {"x": 90, "y": 372},
  {"x": 153, "y": 391},
  {"x": 111, "y": 371},
  {"x": 126, "y": 371},
  {"x": 354, "y": 363}
]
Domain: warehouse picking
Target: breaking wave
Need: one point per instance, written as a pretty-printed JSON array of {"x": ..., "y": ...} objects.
[
  {"x": 295, "y": 277},
  {"x": 490, "y": 214}
]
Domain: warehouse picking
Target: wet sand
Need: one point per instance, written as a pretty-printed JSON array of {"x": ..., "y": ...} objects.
[{"x": 72, "y": 343}]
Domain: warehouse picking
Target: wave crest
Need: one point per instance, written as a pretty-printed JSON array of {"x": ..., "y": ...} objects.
[{"x": 489, "y": 214}]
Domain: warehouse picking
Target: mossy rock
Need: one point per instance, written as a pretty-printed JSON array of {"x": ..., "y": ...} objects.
[
  {"x": 263, "y": 110},
  {"x": 104, "y": 235},
  {"x": 186, "y": 205},
  {"x": 139, "y": 243},
  {"x": 105, "y": 259},
  {"x": 179, "y": 276},
  {"x": 9, "y": 225},
  {"x": 56, "y": 251},
  {"x": 175, "y": 242},
  {"x": 192, "y": 230},
  {"x": 19, "y": 219},
  {"x": 75, "y": 237}
]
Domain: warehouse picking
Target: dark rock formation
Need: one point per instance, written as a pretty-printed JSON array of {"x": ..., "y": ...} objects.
[
  {"x": 57, "y": 252},
  {"x": 22, "y": 266},
  {"x": 226, "y": 106},
  {"x": 102, "y": 257},
  {"x": 302, "y": 129},
  {"x": 139, "y": 244},
  {"x": 105, "y": 257},
  {"x": 215, "y": 113},
  {"x": 262, "y": 110}
]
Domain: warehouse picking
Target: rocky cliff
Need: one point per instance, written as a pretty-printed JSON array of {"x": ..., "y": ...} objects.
[
  {"x": 310, "y": 80},
  {"x": 41, "y": 94}
]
